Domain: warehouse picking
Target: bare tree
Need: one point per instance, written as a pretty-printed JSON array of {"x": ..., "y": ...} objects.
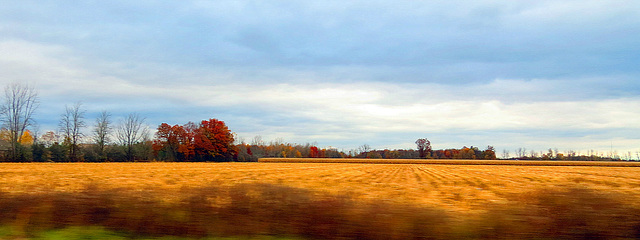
[
  {"x": 571, "y": 154},
  {"x": 35, "y": 132},
  {"x": 424, "y": 147},
  {"x": 20, "y": 102},
  {"x": 505, "y": 154},
  {"x": 131, "y": 131},
  {"x": 534, "y": 154},
  {"x": 257, "y": 141},
  {"x": 365, "y": 148},
  {"x": 521, "y": 152},
  {"x": 71, "y": 125},
  {"x": 102, "y": 130}
]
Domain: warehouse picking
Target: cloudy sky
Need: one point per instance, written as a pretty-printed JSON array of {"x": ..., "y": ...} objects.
[{"x": 533, "y": 74}]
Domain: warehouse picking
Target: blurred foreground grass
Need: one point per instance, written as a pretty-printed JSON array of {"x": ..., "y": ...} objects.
[
  {"x": 276, "y": 212},
  {"x": 100, "y": 233}
]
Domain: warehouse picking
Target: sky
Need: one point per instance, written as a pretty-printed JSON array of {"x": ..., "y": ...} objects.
[{"x": 511, "y": 74}]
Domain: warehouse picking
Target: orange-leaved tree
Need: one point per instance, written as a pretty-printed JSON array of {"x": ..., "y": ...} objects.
[
  {"x": 213, "y": 141},
  {"x": 175, "y": 143}
]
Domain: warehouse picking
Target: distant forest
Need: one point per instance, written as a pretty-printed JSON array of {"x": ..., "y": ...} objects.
[{"x": 206, "y": 141}]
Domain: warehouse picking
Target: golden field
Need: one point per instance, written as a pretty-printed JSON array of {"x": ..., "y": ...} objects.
[
  {"x": 453, "y": 187},
  {"x": 385, "y": 200}
]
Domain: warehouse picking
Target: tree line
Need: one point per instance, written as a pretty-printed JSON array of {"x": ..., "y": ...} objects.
[
  {"x": 570, "y": 155},
  {"x": 128, "y": 140},
  {"x": 278, "y": 148},
  {"x": 208, "y": 140},
  {"x": 68, "y": 143}
]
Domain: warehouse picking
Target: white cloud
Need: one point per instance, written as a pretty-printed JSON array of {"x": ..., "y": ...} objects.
[
  {"x": 491, "y": 72},
  {"x": 364, "y": 106}
]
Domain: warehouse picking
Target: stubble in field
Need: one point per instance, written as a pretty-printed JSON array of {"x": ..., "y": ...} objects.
[{"x": 454, "y": 187}]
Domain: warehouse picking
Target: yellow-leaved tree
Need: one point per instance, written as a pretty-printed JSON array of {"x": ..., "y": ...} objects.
[{"x": 27, "y": 138}]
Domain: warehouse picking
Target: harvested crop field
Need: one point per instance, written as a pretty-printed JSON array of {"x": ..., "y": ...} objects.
[
  {"x": 454, "y": 187},
  {"x": 323, "y": 200}
]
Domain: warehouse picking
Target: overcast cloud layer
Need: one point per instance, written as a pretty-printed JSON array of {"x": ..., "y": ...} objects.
[{"x": 534, "y": 74}]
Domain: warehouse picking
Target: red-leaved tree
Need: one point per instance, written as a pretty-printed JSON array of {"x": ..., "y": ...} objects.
[
  {"x": 209, "y": 141},
  {"x": 174, "y": 141},
  {"x": 313, "y": 152},
  {"x": 214, "y": 142}
]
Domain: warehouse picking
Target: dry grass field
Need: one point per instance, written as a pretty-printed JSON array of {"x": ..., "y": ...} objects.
[
  {"x": 438, "y": 200},
  {"x": 454, "y": 187}
]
